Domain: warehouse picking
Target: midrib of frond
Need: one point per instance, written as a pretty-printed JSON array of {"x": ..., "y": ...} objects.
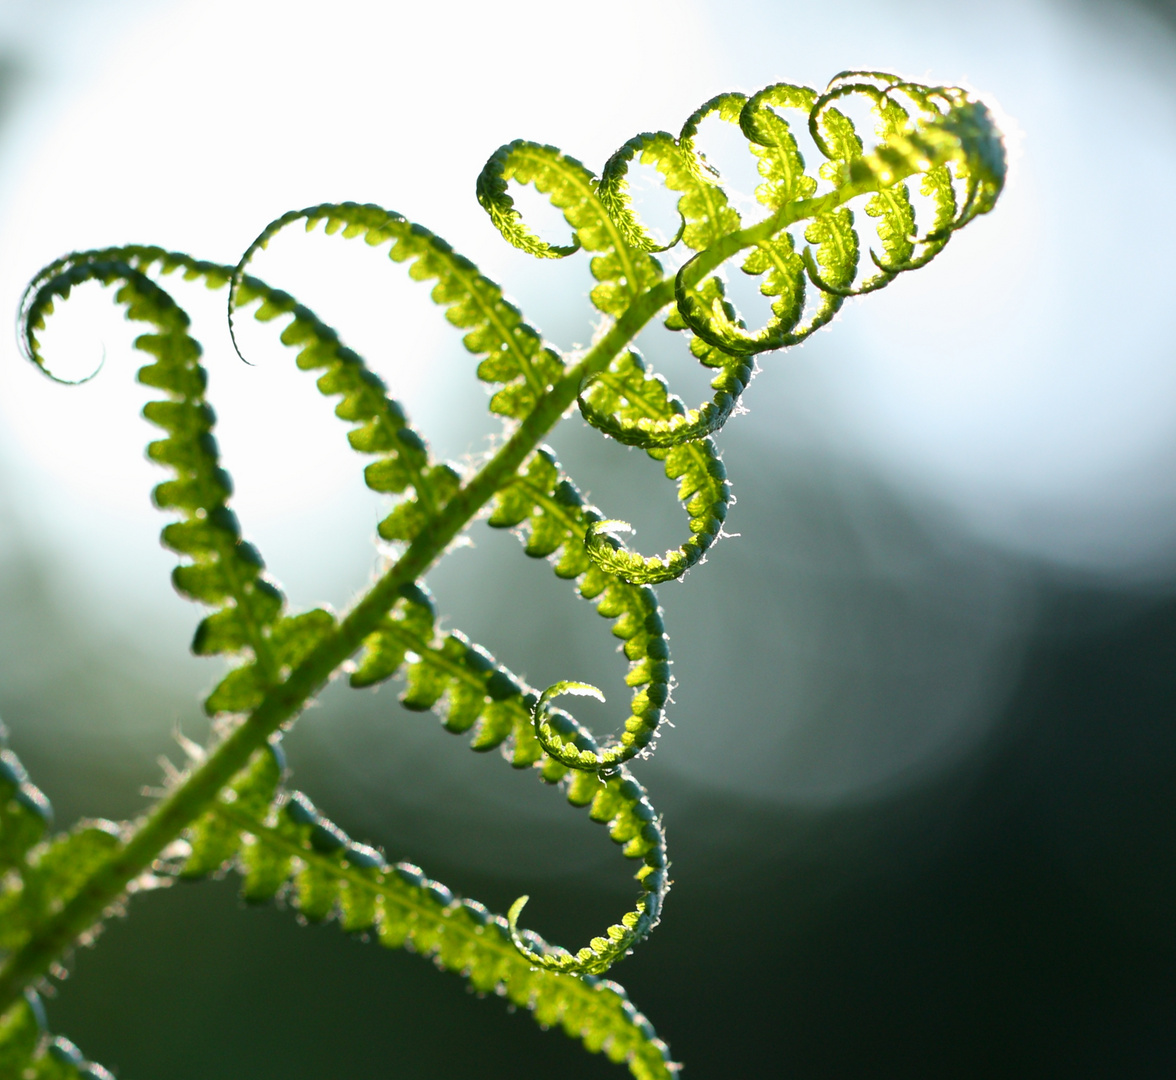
[
  {"x": 504, "y": 331},
  {"x": 423, "y": 648}
]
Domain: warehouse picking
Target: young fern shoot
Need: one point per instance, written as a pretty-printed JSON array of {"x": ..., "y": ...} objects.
[{"x": 232, "y": 807}]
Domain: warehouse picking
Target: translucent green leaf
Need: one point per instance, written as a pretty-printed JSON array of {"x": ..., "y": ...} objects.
[
  {"x": 623, "y": 271},
  {"x": 214, "y": 841},
  {"x": 239, "y": 691},
  {"x": 780, "y": 161},
  {"x": 20, "y": 1032},
  {"x": 332, "y": 877},
  {"x": 296, "y": 636},
  {"x": 636, "y": 408},
  {"x": 281, "y": 844},
  {"x": 514, "y": 353}
]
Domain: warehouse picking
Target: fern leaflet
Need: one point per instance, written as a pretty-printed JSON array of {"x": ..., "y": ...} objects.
[{"x": 283, "y": 845}]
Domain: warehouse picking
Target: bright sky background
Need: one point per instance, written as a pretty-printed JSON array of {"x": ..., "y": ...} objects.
[{"x": 1024, "y": 384}]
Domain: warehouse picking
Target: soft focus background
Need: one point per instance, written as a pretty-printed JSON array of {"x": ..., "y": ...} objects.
[{"x": 921, "y": 787}]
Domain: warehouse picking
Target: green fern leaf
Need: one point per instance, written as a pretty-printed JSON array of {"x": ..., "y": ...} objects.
[
  {"x": 637, "y": 409},
  {"x": 284, "y": 846},
  {"x": 474, "y": 694},
  {"x": 780, "y": 161},
  {"x": 37, "y": 878},
  {"x": 225, "y": 572},
  {"x": 514, "y": 353},
  {"x": 559, "y": 527},
  {"x": 706, "y": 218},
  {"x": 39, "y": 875},
  {"x": 25, "y": 813},
  {"x": 705, "y": 493},
  {"x": 51, "y": 876},
  {"x": 624, "y": 272},
  {"x": 704, "y": 206},
  {"x": 951, "y": 135}
]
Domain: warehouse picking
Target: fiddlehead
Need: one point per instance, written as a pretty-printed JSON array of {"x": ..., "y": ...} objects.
[
  {"x": 230, "y": 804},
  {"x": 514, "y": 355},
  {"x": 473, "y": 693}
]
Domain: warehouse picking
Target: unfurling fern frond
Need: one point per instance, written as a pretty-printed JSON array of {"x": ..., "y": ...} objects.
[
  {"x": 624, "y": 273},
  {"x": 282, "y": 845},
  {"x": 514, "y": 355},
  {"x": 474, "y": 694},
  {"x": 805, "y": 252}
]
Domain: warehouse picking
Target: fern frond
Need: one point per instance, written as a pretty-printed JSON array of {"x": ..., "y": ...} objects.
[
  {"x": 781, "y": 164},
  {"x": 39, "y": 875},
  {"x": 472, "y": 692},
  {"x": 709, "y": 216},
  {"x": 283, "y": 846},
  {"x": 559, "y": 527},
  {"x": 704, "y": 492},
  {"x": 286, "y": 640},
  {"x": 558, "y": 520},
  {"x": 477, "y": 695},
  {"x": 951, "y": 140},
  {"x": 706, "y": 217},
  {"x": 226, "y": 573},
  {"x": 637, "y": 409},
  {"x": 660, "y": 149},
  {"x": 231, "y": 804},
  {"x": 553, "y": 508},
  {"x": 515, "y": 356},
  {"x": 51, "y": 876},
  {"x": 404, "y": 466},
  {"x": 780, "y": 161}
]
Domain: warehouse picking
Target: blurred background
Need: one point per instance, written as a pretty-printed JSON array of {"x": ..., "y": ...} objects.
[{"x": 920, "y": 790}]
